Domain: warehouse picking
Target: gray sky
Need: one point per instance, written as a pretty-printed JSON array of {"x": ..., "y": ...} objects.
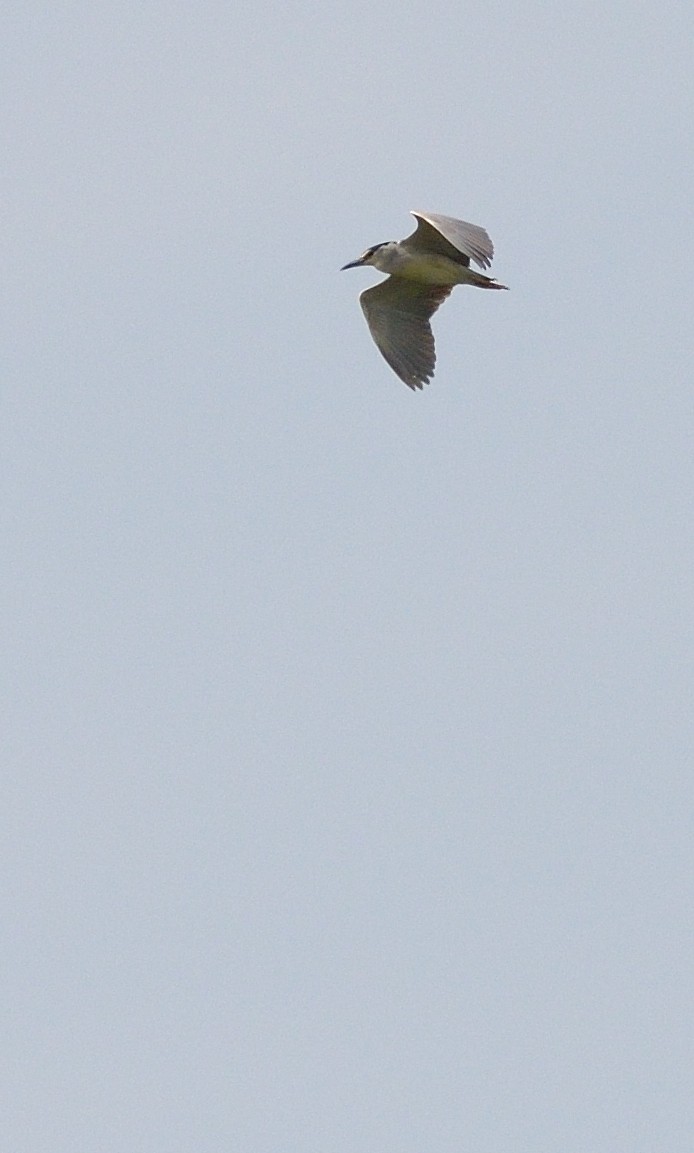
[{"x": 349, "y": 737}]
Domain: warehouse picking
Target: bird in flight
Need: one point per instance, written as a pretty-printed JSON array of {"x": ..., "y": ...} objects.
[{"x": 424, "y": 269}]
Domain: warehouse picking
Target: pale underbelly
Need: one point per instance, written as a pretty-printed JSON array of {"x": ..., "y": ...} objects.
[{"x": 435, "y": 270}]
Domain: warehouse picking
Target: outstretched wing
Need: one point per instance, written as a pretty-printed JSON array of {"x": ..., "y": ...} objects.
[
  {"x": 456, "y": 239},
  {"x": 397, "y": 312}
]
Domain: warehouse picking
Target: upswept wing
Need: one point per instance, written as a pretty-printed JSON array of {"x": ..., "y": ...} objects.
[
  {"x": 456, "y": 239},
  {"x": 397, "y": 312}
]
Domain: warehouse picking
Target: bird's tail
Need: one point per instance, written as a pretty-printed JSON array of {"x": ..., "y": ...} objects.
[{"x": 485, "y": 281}]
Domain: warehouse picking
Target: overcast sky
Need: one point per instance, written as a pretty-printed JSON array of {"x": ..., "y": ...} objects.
[{"x": 349, "y": 731}]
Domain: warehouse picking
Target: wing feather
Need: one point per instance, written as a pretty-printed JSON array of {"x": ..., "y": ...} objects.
[
  {"x": 453, "y": 238},
  {"x": 397, "y": 312}
]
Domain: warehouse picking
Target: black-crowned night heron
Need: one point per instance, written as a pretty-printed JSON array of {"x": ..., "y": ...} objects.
[{"x": 424, "y": 269}]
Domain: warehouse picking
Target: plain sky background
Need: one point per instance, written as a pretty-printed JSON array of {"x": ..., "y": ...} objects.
[{"x": 349, "y": 731}]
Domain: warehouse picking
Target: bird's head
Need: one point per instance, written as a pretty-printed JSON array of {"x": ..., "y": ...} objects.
[{"x": 366, "y": 257}]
